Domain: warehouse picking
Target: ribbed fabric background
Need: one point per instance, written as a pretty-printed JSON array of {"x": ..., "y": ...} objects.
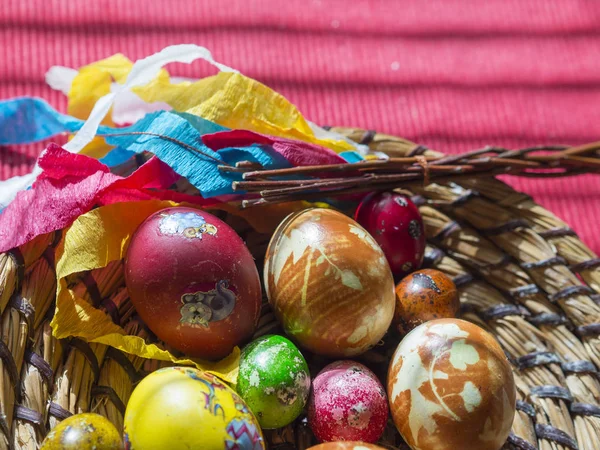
[{"x": 450, "y": 74}]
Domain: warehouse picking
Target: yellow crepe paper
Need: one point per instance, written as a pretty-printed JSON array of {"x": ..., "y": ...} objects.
[
  {"x": 228, "y": 99},
  {"x": 101, "y": 236}
]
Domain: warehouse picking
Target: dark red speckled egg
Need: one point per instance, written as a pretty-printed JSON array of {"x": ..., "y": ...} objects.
[
  {"x": 424, "y": 295},
  {"x": 396, "y": 224},
  {"x": 347, "y": 403},
  {"x": 193, "y": 281}
]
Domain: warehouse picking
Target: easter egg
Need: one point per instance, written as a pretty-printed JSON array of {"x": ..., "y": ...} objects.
[
  {"x": 87, "y": 431},
  {"x": 273, "y": 380},
  {"x": 451, "y": 387},
  {"x": 181, "y": 408},
  {"x": 328, "y": 283},
  {"x": 346, "y": 445},
  {"x": 193, "y": 282},
  {"x": 397, "y": 226},
  {"x": 348, "y": 403},
  {"x": 424, "y": 295}
]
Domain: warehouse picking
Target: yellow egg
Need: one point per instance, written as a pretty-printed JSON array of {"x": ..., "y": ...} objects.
[
  {"x": 83, "y": 432},
  {"x": 182, "y": 408}
]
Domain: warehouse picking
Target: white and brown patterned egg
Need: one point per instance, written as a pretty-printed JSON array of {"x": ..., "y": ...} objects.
[
  {"x": 329, "y": 283},
  {"x": 450, "y": 386}
]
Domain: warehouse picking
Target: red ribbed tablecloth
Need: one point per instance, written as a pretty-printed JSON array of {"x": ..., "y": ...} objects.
[{"x": 450, "y": 74}]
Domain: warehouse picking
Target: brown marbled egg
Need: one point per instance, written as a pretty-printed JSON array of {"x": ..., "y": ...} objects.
[
  {"x": 424, "y": 295},
  {"x": 329, "y": 283},
  {"x": 451, "y": 387},
  {"x": 346, "y": 445}
]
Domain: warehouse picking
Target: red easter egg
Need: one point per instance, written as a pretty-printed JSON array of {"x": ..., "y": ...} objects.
[
  {"x": 396, "y": 224},
  {"x": 347, "y": 403},
  {"x": 193, "y": 282}
]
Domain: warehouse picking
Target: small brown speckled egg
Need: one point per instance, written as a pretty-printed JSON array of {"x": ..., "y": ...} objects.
[
  {"x": 424, "y": 295},
  {"x": 451, "y": 387}
]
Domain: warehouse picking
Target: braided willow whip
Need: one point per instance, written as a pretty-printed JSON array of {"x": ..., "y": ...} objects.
[{"x": 421, "y": 166}]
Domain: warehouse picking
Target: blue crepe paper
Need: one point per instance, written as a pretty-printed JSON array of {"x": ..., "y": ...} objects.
[
  {"x": 352, "y": 157},
  {"x": 25, "y": 120}
]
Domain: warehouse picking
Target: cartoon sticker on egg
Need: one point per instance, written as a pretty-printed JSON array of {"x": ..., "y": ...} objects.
[
  {"x": 189, "y": 224},
  {"x": 200, "y": 308}
]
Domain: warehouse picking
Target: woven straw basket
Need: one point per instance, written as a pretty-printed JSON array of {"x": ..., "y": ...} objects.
[{"x": 522, "y": 274}]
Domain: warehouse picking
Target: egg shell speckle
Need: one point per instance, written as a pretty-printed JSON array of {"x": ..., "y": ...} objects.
[
  {"x": 274, "y": 380},
  {"x": 424, "y": 295},
  {"x": 328, "y": 283},
  {"x": 451, "y": 387},
  {"x": 347, "y": 403}
]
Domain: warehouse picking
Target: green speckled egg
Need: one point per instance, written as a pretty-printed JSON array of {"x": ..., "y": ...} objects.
[
  {"x": 273, "y": 380},
  {"x": 87, "y": 431}
]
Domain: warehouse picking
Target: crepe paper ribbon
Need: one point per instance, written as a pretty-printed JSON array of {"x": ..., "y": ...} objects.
[
  {"x": 352, "y": 157},
  {"x": 175, "y": 138},
  {"x": 26, "y": 120},
  {"x": 72, "y": 184},
  {"x": 179, "y": 144},
  {"x": 91, "y": 242},
  {"x": 191, "y": 145},
  {"x": 141, "y": 73},
  {"x": 297, "y": 153},
  {"x": 239, "y": 100},
  {"x": 229, "y": 99}
]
